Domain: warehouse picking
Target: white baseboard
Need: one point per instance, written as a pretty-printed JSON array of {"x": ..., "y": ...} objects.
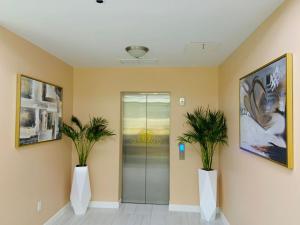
[
  {"x": 108, "y": 205},
  {"x": 187, "y": 208},
  {"x": 52, "y": 219},
  {"x": 93, "y": 204},
  {"x": 184, "y": 208},
  {"x": 224, "y": 219},
  {"x": 195, "y": 208}
]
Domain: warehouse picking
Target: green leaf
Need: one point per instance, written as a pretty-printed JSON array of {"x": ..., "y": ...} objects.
[
  {"x": 207, "y": 128},
  {"x": 70, "y": 132},
  {"x": 85, "y": 136},
  {"x": 77, "y": 122}
]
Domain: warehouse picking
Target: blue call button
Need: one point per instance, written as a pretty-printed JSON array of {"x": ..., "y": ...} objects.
[{"x": 181, "y": 147}]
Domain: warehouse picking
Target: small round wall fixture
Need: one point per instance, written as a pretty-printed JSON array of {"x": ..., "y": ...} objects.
[
  {"x": 99, "y": 1},
  {"x": 137, "y": 51}
]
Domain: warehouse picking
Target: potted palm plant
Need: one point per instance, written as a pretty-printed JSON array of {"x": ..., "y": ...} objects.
[
  {"x": 208, "y": 129},
  {"x": 84, "y": 138}
]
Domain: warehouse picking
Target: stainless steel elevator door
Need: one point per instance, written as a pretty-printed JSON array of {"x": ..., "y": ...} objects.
[{"x": 146, "y": 124}]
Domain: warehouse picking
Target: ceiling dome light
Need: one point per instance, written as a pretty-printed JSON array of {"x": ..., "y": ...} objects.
[{"x": 137, "y": 51}]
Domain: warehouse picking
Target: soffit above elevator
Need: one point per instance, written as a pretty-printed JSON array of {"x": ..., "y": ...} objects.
[{"x": 86, "y": 34}]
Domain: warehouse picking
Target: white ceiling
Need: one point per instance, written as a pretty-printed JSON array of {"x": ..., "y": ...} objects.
[{"x": 86, "y": 34}]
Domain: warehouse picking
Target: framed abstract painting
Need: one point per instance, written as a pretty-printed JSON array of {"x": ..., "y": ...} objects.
[
  {"x": 266, "y": 111},
  {"x": 39, "y": 111}
]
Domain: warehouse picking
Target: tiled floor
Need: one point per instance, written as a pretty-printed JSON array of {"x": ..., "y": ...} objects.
[{"x": 133, "y": 214}]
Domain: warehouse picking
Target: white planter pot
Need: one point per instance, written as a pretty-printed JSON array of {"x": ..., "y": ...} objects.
[
  {"x": 208, "y": 194},
  {"x": 81, "y": 190}
]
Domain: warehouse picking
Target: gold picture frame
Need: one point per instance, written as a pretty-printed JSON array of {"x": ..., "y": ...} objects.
[
  {"x": 266, "y": 111},
  {"x": 39, "y": 111}
]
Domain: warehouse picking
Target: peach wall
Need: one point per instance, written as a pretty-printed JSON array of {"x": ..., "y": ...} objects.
[
  {"x": 256, "y": 191},
  {"x": 37, "y": 172},
  {"x": 97, "y": 92}
]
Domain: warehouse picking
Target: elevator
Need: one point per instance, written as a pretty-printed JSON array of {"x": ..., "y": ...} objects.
[{"x": 146, "y": 130}]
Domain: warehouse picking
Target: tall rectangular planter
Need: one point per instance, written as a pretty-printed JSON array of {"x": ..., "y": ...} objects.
[
  {"x": 81, "y": 191},
  {"x": 208, "y": 194}
]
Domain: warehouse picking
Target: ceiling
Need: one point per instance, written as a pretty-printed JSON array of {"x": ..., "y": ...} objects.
[{"x": 84, "y": 33}]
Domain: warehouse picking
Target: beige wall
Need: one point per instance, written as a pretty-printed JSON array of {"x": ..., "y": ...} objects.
[
  {"x": 254, "y": 190},
  {"x": 37, "y": 172},
  {"x": 97, "y": 92}
]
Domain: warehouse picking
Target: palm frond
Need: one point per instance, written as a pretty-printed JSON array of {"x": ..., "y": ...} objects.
[
  {"x": 70, "y": 132},
  {"x": 208, "y": 128},
  {"x": 77, "y": 122},
  {"x": 97, "y": 129},
  {"x": 85, "y": 136}
]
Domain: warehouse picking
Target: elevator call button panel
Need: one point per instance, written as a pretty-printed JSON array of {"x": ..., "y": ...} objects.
[{"x": 181, "y": 148}]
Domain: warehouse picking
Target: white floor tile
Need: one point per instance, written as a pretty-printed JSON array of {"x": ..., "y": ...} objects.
[{"x": 133, "y": 214}]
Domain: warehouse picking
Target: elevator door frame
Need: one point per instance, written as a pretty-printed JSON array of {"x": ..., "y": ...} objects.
[{"x": 121, "y": 137}]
